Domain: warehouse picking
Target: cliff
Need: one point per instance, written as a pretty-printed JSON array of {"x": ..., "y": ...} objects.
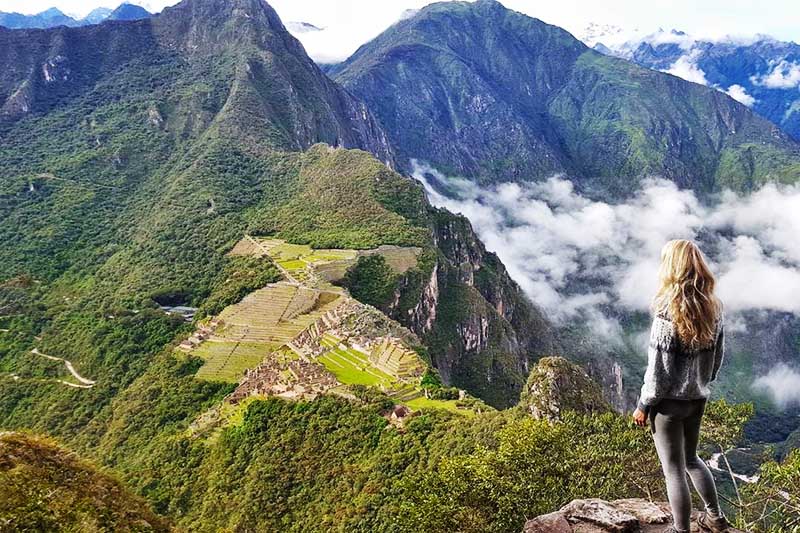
[{"x": 482, "y": 332}]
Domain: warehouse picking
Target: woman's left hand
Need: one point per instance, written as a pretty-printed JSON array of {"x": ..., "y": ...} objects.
[{"x": 640, "y": 418}]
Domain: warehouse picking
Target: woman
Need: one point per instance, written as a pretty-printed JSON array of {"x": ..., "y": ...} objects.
[{"x": 684, "y": 356}]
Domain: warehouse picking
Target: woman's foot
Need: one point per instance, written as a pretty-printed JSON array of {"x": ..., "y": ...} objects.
[{"x": 715, "y": 524}]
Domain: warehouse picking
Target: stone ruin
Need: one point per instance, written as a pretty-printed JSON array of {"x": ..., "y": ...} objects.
[
  {"x": 295, "y": 379},
  {"x": 203, "y": 333}
]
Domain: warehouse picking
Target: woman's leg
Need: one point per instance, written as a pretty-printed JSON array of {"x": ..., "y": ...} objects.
[
  {"x": 666, "y": 424},
  {"x": 701, "y": 476}
]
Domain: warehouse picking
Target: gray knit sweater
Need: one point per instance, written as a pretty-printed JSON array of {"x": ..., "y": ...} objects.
[{"x": 676, "y": 373}]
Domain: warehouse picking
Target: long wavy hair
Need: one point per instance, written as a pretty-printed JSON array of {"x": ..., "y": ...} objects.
[{"x": 686, "y": 294}]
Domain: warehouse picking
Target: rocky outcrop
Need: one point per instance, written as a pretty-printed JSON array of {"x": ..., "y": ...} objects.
[
  {"x": 555, "y": 385},
  {"x": 599, "y": 516}
]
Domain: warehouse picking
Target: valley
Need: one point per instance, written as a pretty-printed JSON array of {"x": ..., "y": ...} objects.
[{"x": 268, "y": 296}]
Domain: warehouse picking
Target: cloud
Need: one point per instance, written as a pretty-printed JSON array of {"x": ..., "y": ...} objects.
[
  {"x": 686, "y": 67},
  {"x": 782, "y": 384},
  {"x": 575, "y": 256},
  {"x": 784, "y": 75},
  {"x": 739, "y": 93}
]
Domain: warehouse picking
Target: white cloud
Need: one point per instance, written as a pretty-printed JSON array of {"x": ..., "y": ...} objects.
[
  {"x": 782, "y": 384},
  {"x": 784, "y": 75},
  {"x": 573, "y": 255},
  {"x": 686, "y": 67},
  {"x": 739, "y": 93},
  {"x": 683, "y": 40}
]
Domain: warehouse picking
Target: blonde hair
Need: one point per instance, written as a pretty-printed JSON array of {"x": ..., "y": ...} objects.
[{"x": 686, "y": 294}]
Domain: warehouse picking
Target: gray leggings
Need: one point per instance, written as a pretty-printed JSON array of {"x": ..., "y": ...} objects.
[{"x": 675, "y": 425}]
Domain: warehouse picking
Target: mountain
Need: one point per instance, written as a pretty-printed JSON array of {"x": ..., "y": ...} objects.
[
  {"x": 46, "y": 19},
  {"x": 46, "y": 488},
  {"x": 97, "y": 15},
  {"x": 146, "y": 164},
  {"x": 484, "y": 92},
  {"x": 762, "y": 73},
  {"x": 129, "y": 12},
  {"x": 54, "y": 17}
]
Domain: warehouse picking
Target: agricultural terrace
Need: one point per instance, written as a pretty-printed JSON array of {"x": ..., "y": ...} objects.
[
  {"x": 318, "y": 268},
  {"x": 261, "y": 323}
]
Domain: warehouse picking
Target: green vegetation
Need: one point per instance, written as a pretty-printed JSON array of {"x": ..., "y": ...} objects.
[
  {"x": 371, "y": 280},
  {"x": 772, "y": 504},
  {"x": 46, "y": 488},
  {"x": 350, "y": 366},
  {"x": 239, "y": 277},
  {"x": 557, "y": 107},
  {"x": 346, "y": 199},
  {"x": 131, "y": 184}
]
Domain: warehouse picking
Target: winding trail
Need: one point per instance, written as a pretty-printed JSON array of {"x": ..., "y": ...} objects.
[{"x": 85, "y": 383}]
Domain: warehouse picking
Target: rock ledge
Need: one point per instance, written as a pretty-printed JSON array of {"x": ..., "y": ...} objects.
[{"x": 598, "y": 516}]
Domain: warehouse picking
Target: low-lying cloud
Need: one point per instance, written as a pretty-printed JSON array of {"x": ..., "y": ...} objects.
[
  {"x": 587, "y": 259},
  {"x": 569, "y": 252},
  {"x": 739, "y": 93},
  {"x": 784, "y": 75},
  {"x": 781, "y": 384},
  {"x": 686, "y": 67}
]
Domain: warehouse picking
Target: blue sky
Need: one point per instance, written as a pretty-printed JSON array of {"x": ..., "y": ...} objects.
[{"x": 349, "y": 23}]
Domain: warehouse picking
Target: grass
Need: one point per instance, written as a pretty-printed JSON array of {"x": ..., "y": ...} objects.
[
  {"x": 255, "y": 327},
  {"x": 351, "y": 367},
  {"x": 448, "y": 405}
]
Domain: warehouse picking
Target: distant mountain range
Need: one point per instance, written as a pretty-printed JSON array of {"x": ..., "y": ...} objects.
[
  {"x": 54, "y": 17},
  {"x": 762, "y": 73}
]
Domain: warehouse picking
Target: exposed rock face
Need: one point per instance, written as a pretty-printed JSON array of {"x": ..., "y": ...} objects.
[
  {"x": 599, "y": 516},
  {"x": 481, "y": 329},
  {"x": 556, "y": 385}
]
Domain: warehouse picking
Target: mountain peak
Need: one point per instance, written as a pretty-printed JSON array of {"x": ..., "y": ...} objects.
[
  {"x": 52, "y": 12},
  {"x": 128, "y": 11},
  {"x": 215, "y": 24}
]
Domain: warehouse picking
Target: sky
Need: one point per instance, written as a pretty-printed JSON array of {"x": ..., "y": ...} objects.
[{"x": 350, "y": 23}]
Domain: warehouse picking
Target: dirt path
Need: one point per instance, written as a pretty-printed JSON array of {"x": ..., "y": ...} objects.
[{"x": 85, "y": 383}]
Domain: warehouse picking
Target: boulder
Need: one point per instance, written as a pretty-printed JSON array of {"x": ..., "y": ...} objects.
[{"x": 633, "y": 515}]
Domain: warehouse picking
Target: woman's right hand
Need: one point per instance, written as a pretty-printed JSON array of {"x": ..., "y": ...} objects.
[{"x": 640, "y": 418}]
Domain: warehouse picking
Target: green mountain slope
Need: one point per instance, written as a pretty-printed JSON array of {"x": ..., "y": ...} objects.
[
  {"x": 488, "y": 93},
  {"x": 128, "y": 179},
  {"x": 46, "y": 488}
]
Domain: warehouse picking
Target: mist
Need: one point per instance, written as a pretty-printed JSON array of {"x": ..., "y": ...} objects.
[{"x": 577, "y": 257}]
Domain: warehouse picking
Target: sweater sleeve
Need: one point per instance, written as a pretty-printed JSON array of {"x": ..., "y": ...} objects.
[
  {"x": 655, "y": 377},
  {"x": 719, "y": 352}
]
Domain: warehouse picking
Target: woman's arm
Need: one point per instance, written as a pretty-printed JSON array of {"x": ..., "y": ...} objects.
[{"x": 655, "y": 378}]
